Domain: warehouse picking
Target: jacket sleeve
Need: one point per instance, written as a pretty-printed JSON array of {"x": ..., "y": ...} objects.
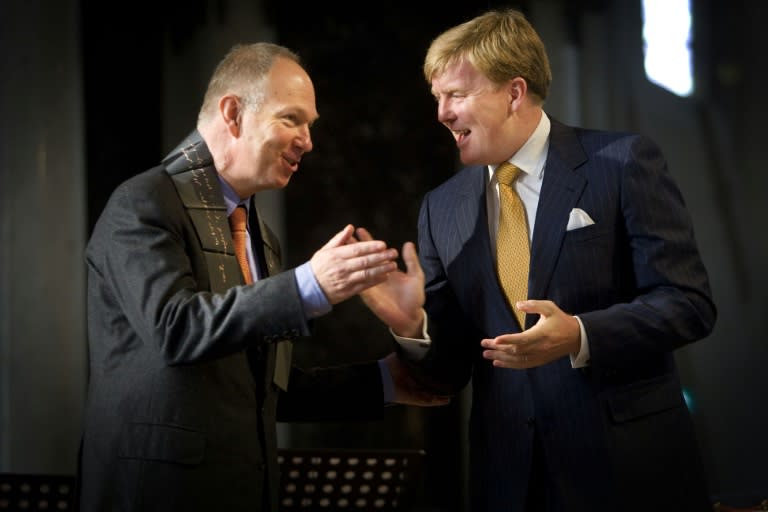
[{"x": 145, "y": 257}]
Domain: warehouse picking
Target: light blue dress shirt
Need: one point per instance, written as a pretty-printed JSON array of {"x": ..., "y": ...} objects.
[{"x": 312, "y": 296}]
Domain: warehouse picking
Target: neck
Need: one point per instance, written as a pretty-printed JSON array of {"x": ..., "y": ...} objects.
[{"x": 220, "y": 145}]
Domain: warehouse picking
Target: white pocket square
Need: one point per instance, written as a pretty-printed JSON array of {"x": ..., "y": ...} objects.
[{"x": 578, "y": 219}]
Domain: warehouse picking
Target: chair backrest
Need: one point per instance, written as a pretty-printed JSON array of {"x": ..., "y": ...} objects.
[
  {"x": 347, "y": 479},
  {"x": 751, "y": 505},
  {"x": 26, "y": 492}
]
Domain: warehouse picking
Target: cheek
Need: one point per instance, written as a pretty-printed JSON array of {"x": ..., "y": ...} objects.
[
  {"x": 258, "y": 147},
  {"x": 273, "y": 139}
]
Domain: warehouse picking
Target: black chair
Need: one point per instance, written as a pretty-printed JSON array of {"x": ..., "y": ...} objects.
[
  {"x": 345, "y": 479},
  {"x": 26, "y": 493}
]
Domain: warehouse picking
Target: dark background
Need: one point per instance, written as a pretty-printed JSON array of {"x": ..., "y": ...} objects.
[{"x": 131, "y": 77}]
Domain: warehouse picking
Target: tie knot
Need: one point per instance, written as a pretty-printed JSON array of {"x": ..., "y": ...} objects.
[
  {"x": 507, "y": 173},
  {"x": 237, "y": 219}
]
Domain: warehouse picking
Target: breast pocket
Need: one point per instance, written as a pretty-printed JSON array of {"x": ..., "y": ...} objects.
[
  {"x": 585, "y": 274},
  {"x": 587, "y": 249},
  {"x": 585, "y": 234}
]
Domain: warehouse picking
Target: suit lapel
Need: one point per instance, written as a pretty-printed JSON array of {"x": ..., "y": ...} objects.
[
  {"x": 470, "y": 209},
  {"x": 474, "y": 245},
  {"x": 562, "y": 186},
  {"x": 268, "y": 249},
  {"x": 267, "y": 253},
  {"x": 472, "y": 228}
]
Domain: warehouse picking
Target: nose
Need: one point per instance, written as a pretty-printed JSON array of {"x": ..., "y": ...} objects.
[
  {"x": 444, "y": 112},
  {"x": 304, "y": 140}
]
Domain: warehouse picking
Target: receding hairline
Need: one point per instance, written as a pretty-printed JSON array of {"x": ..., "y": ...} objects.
[{"x": 243, "y": 70}]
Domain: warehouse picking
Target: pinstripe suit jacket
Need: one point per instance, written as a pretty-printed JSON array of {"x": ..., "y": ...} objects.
[
  {"x": 617, "y": 435},
  {"x": 181, "y": 405}
]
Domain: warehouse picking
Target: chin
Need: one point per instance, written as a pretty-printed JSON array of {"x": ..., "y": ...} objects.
[{"x": 284, "y": 182}]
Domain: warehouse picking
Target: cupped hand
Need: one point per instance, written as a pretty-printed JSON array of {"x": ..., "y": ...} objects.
[
  {"x": 398, "y": 300},
  {"x": 556, "y": 334}
]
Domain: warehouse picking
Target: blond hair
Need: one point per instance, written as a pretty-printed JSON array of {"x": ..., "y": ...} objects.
[{"x": 501, "y": 44}]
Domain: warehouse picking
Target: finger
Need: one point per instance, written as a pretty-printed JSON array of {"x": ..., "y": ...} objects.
[
  {"x": 373, "y": 251},
  {"x": 364, "y": 235},
  {"x": 504, "y": 340},
  {"x": 340, "y": 238},
  {"x": 411, "y": 259},
  {"x": 357, "y": 281},
  {"x": 372, "y": 260},
  {"x": 501, "y": 359},
  {"x": 373, "y": 271},
  {"x": 541, "y": 307}
]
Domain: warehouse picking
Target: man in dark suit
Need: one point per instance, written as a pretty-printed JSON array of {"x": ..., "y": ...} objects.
[
  {"x": 189, "y": 366},
  {"x": 580, "y": 408}
]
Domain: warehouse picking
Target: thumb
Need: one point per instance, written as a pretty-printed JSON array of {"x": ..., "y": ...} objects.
[
  {"x": 340, "y": 238},
  {"x": 364, "y": 235},
  {"x": 411, "y": 259}
]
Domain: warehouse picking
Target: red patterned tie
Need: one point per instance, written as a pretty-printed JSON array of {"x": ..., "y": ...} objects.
[
  {"x": 512, "y": 244},
  {"x": 237, "y": 222}
]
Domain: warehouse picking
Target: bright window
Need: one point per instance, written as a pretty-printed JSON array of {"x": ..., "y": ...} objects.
[{"x": 667, "y": 44}]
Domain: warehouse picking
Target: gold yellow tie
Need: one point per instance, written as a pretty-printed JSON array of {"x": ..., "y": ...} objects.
[
  {"x": 237, "y": 224},
  {"x": 512, "y": 244}
]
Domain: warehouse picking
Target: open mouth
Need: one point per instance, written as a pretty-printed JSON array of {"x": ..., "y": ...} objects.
[
  {"x": 293, "y": 163},
  {"x": 460, "y": 135}
]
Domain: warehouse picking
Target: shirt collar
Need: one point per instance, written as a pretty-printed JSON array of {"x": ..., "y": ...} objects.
[
  {"x": 231, "y": 198},
  {"x": 531, "y": 157}
]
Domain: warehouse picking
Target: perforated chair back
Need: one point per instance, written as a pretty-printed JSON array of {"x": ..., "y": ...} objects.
[
  {"x": 20, "y": 492},
  {"x": 344, "y": 479}
]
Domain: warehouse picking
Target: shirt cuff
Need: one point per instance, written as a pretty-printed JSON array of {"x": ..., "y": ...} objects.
[
  {"x": 312, "y": 296},
  {"x": 581, "y": 359},
  {"x": 414, "y": 348}
]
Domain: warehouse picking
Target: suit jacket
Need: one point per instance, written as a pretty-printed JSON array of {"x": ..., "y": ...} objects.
[
  {"x": 616, "y": 435},
  {"x": 181, "y": 405}
]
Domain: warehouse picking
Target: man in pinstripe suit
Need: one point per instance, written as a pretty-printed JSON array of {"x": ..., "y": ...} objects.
[{"x": 581, "y": 408}]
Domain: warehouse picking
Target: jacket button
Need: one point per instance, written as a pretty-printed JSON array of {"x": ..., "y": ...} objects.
[{"x": 530, "y": 421}]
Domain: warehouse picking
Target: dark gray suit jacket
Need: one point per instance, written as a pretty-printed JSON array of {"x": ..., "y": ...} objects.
[
  {"x": 181, "y": 405},
  {"x": 617, "y": 435}
]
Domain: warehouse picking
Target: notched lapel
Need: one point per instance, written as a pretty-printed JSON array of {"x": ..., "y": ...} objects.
[
  {"x": 270, "y": 245},
  {"x": 560, "y": 191},
  {"x": 471, "y": 215}
]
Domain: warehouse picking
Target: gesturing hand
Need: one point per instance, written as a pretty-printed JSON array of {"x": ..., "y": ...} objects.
[
  {"x": 556, "y": 334},
  {"x": 344, "y": 267},
  {"x": 398, "y": 300}
]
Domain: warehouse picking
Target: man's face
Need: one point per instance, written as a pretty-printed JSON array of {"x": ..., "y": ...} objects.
[
  {"x": 476, "y": 111},
  {"x": 275, "y": 135}
]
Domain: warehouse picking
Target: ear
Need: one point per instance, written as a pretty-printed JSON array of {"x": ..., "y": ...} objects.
[
  {"x": 231, "y": 110},
  {"x": 517, "y": 90}
]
